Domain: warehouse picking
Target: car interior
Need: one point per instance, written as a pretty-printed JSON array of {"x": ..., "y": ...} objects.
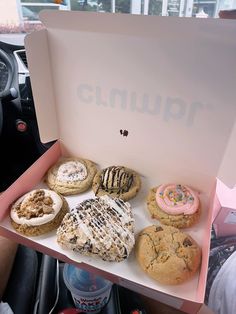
[{"x": 19, "y": 137}]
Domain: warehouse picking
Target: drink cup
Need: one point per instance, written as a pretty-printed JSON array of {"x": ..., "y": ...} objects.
[{"x": 89, "y": 292}]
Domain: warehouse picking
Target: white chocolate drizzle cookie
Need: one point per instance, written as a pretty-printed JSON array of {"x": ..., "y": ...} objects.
[{"x": 101, "y": 227}]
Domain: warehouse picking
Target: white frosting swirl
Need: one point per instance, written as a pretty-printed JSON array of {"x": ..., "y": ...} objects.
[{"x": 71, "y": 171}]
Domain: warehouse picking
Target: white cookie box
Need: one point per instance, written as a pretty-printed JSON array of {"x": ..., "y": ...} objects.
[{"x": 170, "y": 83}]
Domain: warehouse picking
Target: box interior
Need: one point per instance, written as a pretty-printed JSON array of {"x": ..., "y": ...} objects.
[
  {"x": 168, "y": 82},
  {"x": 125, "y": 271}
]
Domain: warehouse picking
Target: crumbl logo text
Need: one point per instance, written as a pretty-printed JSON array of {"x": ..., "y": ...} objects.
[{"x": 168, "y": 108}]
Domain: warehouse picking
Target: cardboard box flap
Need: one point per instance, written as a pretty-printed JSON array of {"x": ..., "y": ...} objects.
[
  {"x": 225, "y": 211},
  {"x": 38, "y": 57},
  {"x": 226, "y": 196},
  {"x": 227, "y": 172},
  {"x": 155, "y": 94}
]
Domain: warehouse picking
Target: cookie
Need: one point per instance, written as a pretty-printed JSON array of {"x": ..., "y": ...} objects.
[
  {"x": 167, "y": 255},
  {"x": 38, "y": 212},
  {"x": 174, "y": 205},
  {"x": 117, "y": 181},
  {"x": 71, "y": 176},
  {"x": 101, "y": 227}
]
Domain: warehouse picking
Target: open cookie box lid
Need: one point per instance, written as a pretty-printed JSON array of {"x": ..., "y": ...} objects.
[
  {"x": 155, "y": 94},
  {"x": 170, "y": 82}
]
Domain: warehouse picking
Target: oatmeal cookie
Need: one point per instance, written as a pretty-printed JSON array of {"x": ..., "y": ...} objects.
[
  {"x": 167, "y": 254},
  {"x": 71, "y": 176},
  {"x": 174, "y": 205},
  {"x": 38, "y": 212},
  {"x": 117, "y": 181}
]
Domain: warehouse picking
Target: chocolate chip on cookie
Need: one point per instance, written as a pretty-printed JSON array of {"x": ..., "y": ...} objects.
[
  {"x": 170, "y": 257},
  {"x": 187, "y": 242}
]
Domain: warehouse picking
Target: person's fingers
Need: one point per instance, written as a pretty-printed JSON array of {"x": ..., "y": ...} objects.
[{"x": 227, "y": 14}]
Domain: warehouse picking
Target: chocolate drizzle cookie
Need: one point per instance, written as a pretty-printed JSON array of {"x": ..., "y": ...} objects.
[
  {"x": 167, "y": 254},
  {"x": 38, "y": 212},
  {"x": 71, "y": 176},
  {"x": 117, "y": 181},
  {"x": 102, "y": 227}
]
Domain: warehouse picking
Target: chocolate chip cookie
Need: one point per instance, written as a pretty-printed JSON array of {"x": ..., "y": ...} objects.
[{"x": 167, "y": 254}]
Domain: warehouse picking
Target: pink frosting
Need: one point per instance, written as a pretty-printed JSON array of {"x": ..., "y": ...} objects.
[{"x": 177, "y": 199}]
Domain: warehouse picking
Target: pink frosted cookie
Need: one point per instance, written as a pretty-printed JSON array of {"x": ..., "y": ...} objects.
[{"x": 174, "y": 205}]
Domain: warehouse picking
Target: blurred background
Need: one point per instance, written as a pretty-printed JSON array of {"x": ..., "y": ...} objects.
[{"x": 17, "y": 16}]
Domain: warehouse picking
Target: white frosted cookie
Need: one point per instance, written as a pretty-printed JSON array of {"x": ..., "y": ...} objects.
[
  {"x": 38, "y": 212},
  {"x": 117, "y": 181},
  {"x": 71, "y": 176},
  {"x": 102, "y": 227}
]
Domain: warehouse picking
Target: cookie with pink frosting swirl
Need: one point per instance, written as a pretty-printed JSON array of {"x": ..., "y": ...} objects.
[{"x": 174, "y": 205}]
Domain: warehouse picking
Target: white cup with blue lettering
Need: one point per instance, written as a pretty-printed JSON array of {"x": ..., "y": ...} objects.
[{"x": 89, "y": 292}]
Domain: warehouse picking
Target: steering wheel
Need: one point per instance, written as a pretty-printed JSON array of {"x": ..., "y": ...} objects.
[
  {"x": 6, "y": 91},
  {"x": 1, "y": 117}
]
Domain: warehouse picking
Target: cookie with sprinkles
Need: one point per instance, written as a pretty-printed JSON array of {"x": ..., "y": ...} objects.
[
  {"x": 101, "y": 227},
  {"x": 174, "y": 205},
  {"x": 71, "y": 176},
  {"x": 117, "y": 181}
]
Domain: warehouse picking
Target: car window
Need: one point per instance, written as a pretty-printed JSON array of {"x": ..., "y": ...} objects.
[{"x": 21, "y": 16}]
